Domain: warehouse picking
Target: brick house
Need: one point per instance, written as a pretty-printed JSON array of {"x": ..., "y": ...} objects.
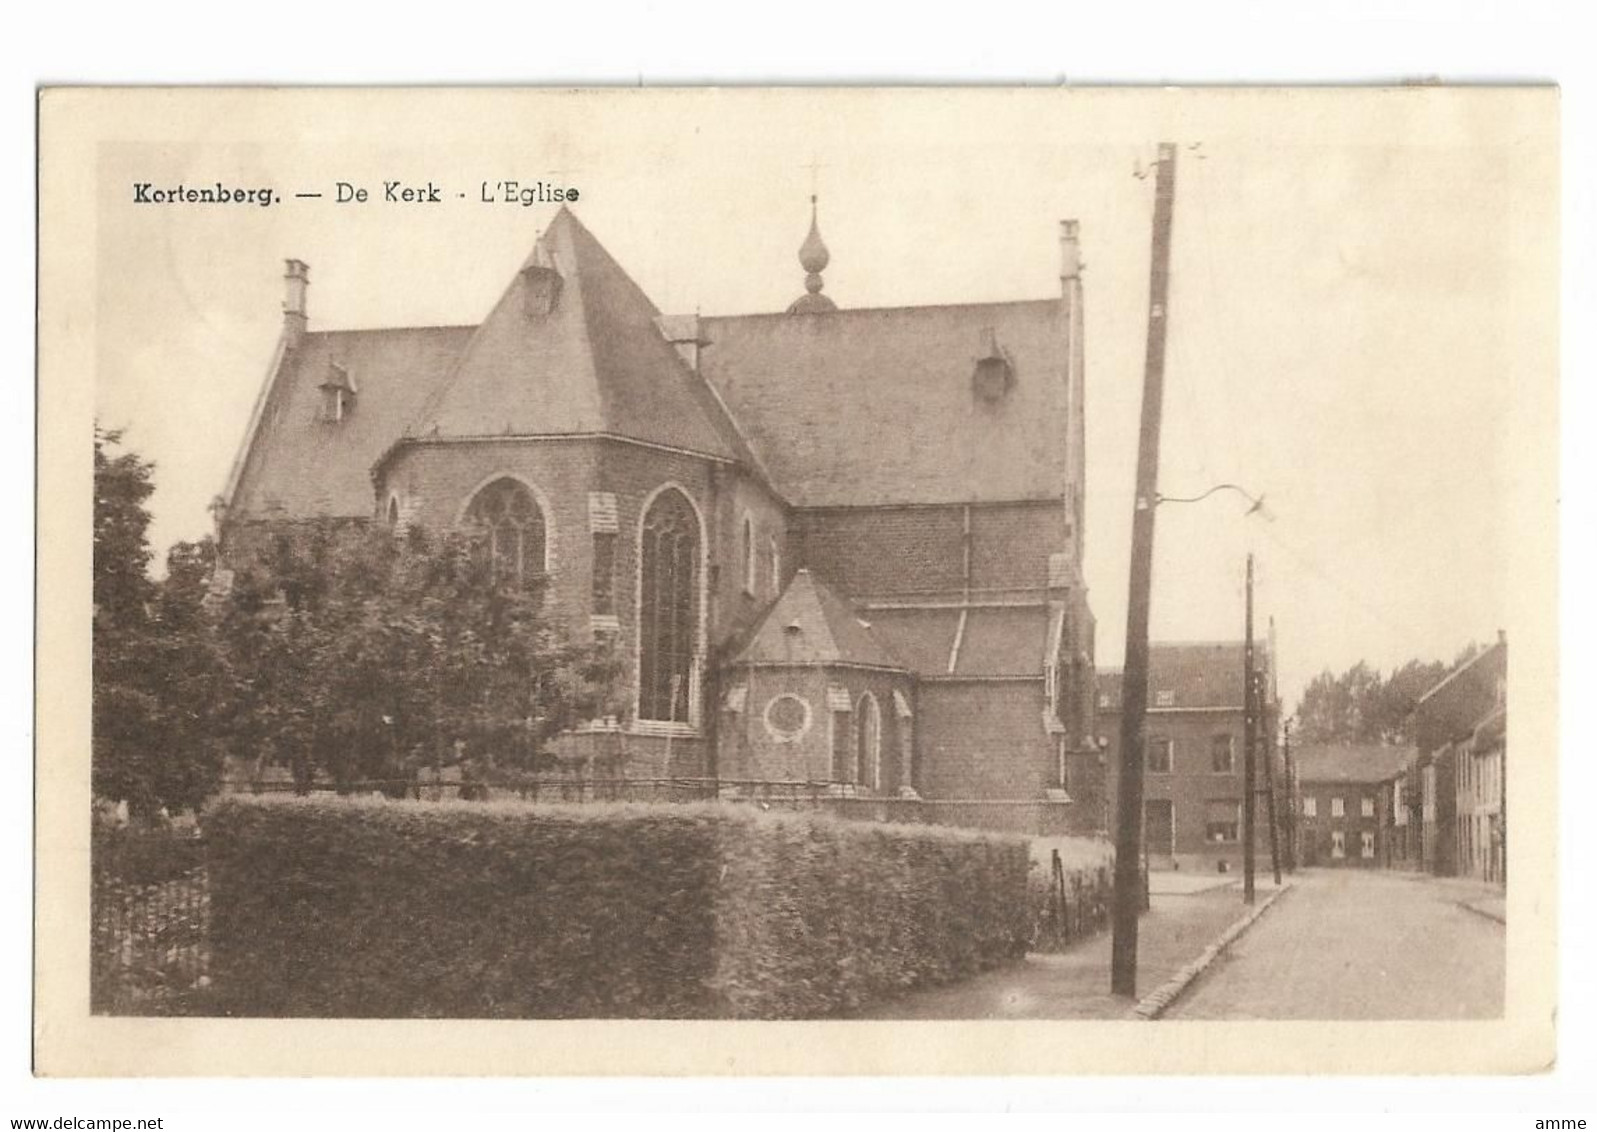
[
  {"x": 1343, "y": 818},
  {"x": 1455, "y": 783},
  {"x": 1193, "y": 772},
  {"x": 833, "y": 545}
]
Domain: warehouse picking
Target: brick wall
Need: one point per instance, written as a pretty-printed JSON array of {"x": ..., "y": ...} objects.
[
  {"x": 826, "y": 750},
  {"x": 1316, "y": 833},
  {"x": 1011, "y": 542},
  {"x": 1191, "y": 785},
  {"x": 982, "y": 740}
]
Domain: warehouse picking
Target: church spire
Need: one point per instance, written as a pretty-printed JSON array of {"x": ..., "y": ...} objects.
[{"x": 813, "y": 258}]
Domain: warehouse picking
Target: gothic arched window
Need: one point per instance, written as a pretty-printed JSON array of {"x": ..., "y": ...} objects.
[
  {"x": 868, "y": 728},
  {"x": 668, "y": 608},
  {"x": 509, "y": 522}
]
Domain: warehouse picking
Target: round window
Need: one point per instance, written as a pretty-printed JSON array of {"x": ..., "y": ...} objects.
[{"x": 787, "y": 718}]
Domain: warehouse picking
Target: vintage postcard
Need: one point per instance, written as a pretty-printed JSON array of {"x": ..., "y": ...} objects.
[{"x": 804, "y": 581}]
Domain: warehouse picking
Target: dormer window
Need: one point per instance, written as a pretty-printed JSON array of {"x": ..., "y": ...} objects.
[
  {"x": 338, "y": 394},
  {"x": 995, "y": 372}
]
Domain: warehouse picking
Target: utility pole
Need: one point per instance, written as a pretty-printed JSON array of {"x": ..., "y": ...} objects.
[
  {"x": 1250, "y": 709},
  {"x": 1291, "y": 797},
  {"x": 1134, "y": 681},
  {"x": 1269, "y": 792}
]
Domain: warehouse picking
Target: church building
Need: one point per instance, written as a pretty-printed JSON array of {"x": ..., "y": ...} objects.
[{"x": 836, "y": 546}]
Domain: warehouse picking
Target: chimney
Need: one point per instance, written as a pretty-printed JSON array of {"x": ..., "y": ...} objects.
[
  {"x": 682, "y": 331},
  {"x": 296, "y": 275},
  {"x": 1070, "y": 249}
]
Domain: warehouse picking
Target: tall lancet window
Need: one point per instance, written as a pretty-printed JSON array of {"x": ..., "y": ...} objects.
[
  {"x": 510, "y": 526},
  {"x": 869, "y": 735},
  {"x": 668, "y": 608}
]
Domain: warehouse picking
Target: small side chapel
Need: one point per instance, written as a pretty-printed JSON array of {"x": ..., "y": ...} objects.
[{"x": 837, "y": 545}]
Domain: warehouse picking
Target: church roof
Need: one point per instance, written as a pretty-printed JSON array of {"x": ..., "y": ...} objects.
[
  {"x": 592, "y": 361},
  {"x": 297, "y": 465},
  {"x": 810, "y": 624},
  {"x": 876, "y": 406},
  {"x": 979, "y": 642}
]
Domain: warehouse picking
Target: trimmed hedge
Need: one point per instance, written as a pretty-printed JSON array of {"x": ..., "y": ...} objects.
[{"x": 332, "y": 907}]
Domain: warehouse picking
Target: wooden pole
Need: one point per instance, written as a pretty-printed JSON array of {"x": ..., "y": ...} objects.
[
  {"x": 1250, "y": 706},
  {"x": 1270, "y": 798},
  {"x": 1134, "y": 682}
]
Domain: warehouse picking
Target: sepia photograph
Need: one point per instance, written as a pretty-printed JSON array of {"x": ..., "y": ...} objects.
[{"x": 1038, "y": 573}]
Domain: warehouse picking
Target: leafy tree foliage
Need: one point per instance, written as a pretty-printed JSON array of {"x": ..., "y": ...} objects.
[
  {"x": 363, "y": 656},
  {"x": 345, "y": 652},
  {"x": 155, "y": 665},
  {"x": 1360, "y": 706}
]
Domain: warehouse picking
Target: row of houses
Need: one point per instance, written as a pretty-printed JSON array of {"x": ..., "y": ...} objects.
[{"x": 1438, "y": 806}]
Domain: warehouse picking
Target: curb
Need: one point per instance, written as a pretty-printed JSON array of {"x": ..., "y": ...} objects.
[
  {"x": 1482, "y": 912},
  {"x": 1155, "y": 1004}
]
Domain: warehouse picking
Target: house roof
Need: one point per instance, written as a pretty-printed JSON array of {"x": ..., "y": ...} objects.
[
  {"x": 299, "y": 465},
  {"x": 877, "y": 406},
  {"x": 811, "y": 624},
  {"x": 1333, "y": 763},
  {"x": 595, "y": 363},
  {"x": 1194, "y": 674}
]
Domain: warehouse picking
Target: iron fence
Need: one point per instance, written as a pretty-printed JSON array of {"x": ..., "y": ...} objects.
[{"x": 149, "y": 917}]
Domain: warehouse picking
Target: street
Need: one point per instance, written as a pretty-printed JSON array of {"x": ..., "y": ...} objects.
[{"x": 1359, "y": 944}]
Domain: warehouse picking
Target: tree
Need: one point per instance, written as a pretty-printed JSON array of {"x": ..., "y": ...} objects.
[
  {"x": 155, "y": 666},
  {"x": 1362, "y": 707},
  {"x": 357, "y": 654}
]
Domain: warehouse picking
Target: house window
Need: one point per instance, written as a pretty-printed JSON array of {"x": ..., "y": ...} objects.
[
  {"x": 1367, "y": 845},
  {"x": 1311, "y": 807},
  {"x": 868, "y": 720},
  {"x": 1222, "y": 754},
  {"x": 1367, "y": 807},
  {"x": 393, "y": 511},
  {"x": 604, "y": 572},
  {"x": 1338, "y": 843},
  {"x": 510, "y": 530},
  {"x": 1161, "y": 754},
  {"x": 748, "y": 555},
  {"x": 776, "y": 567},
  {"x": 1222, "y": 820},
  {"x": 1164, "y": 699},
  {"x": 668, "y": 608},
  {"x": 1336, "y": 808}
]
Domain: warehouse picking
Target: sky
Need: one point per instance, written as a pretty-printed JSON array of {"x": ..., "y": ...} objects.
[{"x": 1355, "y": 285}]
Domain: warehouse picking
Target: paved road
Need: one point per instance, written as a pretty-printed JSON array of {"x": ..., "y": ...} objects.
[{"x": 1358, "y": 944}]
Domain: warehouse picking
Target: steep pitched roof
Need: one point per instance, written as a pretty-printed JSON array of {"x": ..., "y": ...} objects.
[
  {"x": 828, "y": 630},
  {"x": 860, "y": 407},
  {"x": 594, "y": 364},
  {"x": 298, "y": 465},
  {"x": 1353, "y": 764},
  {"x": 977, "y": 642},
  {"x": 1197, "y": 674}
]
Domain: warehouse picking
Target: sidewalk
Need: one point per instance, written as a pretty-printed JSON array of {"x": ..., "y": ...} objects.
[
  {"x": 1481, "y": 897},
  {"x": 1076, "y": 984}
]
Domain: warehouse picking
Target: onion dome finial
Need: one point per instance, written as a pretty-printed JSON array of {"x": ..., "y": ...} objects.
[{"x": 813, "y": 258}]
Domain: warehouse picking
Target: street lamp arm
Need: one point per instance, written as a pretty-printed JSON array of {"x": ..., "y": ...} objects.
[{"x": 1256, "y": 501}]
